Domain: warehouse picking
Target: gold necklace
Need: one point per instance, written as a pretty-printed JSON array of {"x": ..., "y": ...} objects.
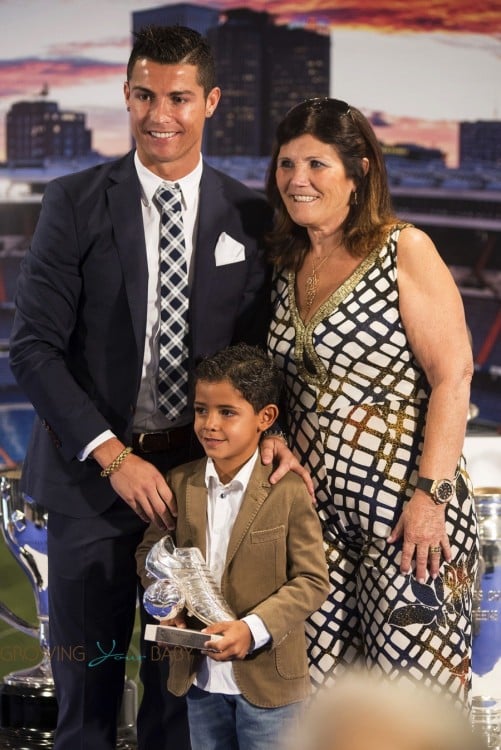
[{"x": 311, "y": 282}]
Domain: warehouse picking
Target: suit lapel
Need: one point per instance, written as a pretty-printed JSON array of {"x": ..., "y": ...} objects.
[
  {"x": 124, "y": 201},
  {"x": 213, "y": 210},
  {"x": 212, "y": 216},
  {"x": 255, "y": 495},
  {"x": 196, "y": 508}
]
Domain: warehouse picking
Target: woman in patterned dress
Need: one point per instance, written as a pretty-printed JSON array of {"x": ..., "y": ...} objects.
[{"x": 369, "y": 328}]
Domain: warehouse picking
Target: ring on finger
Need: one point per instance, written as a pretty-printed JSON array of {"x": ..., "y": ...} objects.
[{"x": 435, "y": 550}]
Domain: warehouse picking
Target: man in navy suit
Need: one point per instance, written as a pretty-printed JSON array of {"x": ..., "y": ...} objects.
[{"x": 84, "y": 349}]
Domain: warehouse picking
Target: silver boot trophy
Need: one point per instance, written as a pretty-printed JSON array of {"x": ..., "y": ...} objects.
[
  {"x": 28, "y": 706},
  {"x": 183, "y": 581}
]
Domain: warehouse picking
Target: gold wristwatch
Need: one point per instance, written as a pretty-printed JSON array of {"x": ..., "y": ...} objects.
[{"x": 440, "y": 490}]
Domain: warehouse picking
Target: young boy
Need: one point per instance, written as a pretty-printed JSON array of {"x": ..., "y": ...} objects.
[{"x": 262, "y": 543}]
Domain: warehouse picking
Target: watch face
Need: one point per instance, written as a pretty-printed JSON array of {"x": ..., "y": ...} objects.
[{"x": 444, "y": 491}]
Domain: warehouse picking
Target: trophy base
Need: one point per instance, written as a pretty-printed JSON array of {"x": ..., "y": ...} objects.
[
  {"x": 183, "y": 637},
  {"x": 14, "y": 739},
  {"x": 28, "y": 717}
]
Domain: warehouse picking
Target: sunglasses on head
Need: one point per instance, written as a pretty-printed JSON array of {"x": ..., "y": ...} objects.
[{"x": 321, "y": 103}]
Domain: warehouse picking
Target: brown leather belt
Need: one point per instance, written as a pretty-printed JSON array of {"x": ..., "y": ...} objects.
[{"x": 162, "y": 440}]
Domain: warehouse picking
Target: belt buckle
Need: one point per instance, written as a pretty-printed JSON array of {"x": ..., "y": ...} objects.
[
  {"x": 140, "y": 440},
  {"x": 145, "y": 439}
]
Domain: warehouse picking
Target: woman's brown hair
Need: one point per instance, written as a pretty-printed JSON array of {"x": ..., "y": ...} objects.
[{"x": 346, "y": 129}]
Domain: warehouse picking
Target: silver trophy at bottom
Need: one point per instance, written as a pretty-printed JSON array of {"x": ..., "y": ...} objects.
[
  {"x": 183, "y": 581},
  {"x": 486, "y": 646},
  {"x": 28, "y": 706}
]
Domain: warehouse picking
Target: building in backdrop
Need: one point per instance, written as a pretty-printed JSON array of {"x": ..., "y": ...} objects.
[
  {"x": 198, "y": 17},
  {"x": 263, "y": 70},
  {"x": 480, "y": 143},
  {"x": 38, "y": 131}
]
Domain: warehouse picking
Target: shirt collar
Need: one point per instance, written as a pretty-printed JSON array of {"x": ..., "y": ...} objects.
[
  {"x": 240, "y": 479},
  {"x": 149, "y": 181}
]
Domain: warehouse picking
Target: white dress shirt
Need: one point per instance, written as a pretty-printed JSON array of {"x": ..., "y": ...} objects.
[
  {"x": 223, "y": 504},
  {"x": 148, "y": 417}
]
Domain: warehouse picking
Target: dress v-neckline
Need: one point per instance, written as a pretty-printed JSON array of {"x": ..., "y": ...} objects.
[
  {"x": 304, "y": 348},
  {"x": 335, "y": 298}
]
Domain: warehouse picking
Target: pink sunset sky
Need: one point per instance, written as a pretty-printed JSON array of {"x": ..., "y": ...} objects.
[{"x": 422, "y": 66}]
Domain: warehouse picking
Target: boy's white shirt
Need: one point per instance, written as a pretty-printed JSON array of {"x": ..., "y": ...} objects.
[{"x": 223, "y": 504}]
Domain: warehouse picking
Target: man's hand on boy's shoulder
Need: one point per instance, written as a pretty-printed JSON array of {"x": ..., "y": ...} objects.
[
  {"x": 274, "y": 450},
  {"x": 235, "y": 643}
]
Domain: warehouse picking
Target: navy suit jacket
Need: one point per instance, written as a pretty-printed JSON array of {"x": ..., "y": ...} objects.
[{"x": 78, "y": 336}]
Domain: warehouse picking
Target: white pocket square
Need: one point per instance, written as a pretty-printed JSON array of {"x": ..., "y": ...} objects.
[{"x": 228, "y": 250}]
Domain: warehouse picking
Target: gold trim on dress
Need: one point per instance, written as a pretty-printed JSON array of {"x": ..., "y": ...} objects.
[{"x": 304, "y": 331}]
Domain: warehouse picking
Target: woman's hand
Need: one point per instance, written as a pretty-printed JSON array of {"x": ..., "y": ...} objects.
[
  {"x": 422, "y": 526},
  {"x": 433, "y": 318},
  {"x": 273, "y": 449}
]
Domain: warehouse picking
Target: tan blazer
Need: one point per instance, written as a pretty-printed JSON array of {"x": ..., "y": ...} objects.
[{"x": 275, "y": 568}]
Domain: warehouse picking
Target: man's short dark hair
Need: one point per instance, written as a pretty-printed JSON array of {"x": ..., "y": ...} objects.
[
  {"x": 248, "y": 369},
  {"x": 174, "y": 45}
]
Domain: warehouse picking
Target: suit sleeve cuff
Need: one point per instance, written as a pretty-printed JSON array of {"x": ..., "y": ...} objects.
[{"x": 102, "y": 438}]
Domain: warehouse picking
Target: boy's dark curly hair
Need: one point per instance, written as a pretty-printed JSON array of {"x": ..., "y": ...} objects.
[{"x": 248, "y": 369}]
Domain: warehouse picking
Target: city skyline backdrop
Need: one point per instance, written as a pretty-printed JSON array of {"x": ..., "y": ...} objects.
[{"x": 423, "y": 67}]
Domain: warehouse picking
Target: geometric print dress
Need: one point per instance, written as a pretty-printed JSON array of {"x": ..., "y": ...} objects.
[{"x": 356, "y": 402}]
